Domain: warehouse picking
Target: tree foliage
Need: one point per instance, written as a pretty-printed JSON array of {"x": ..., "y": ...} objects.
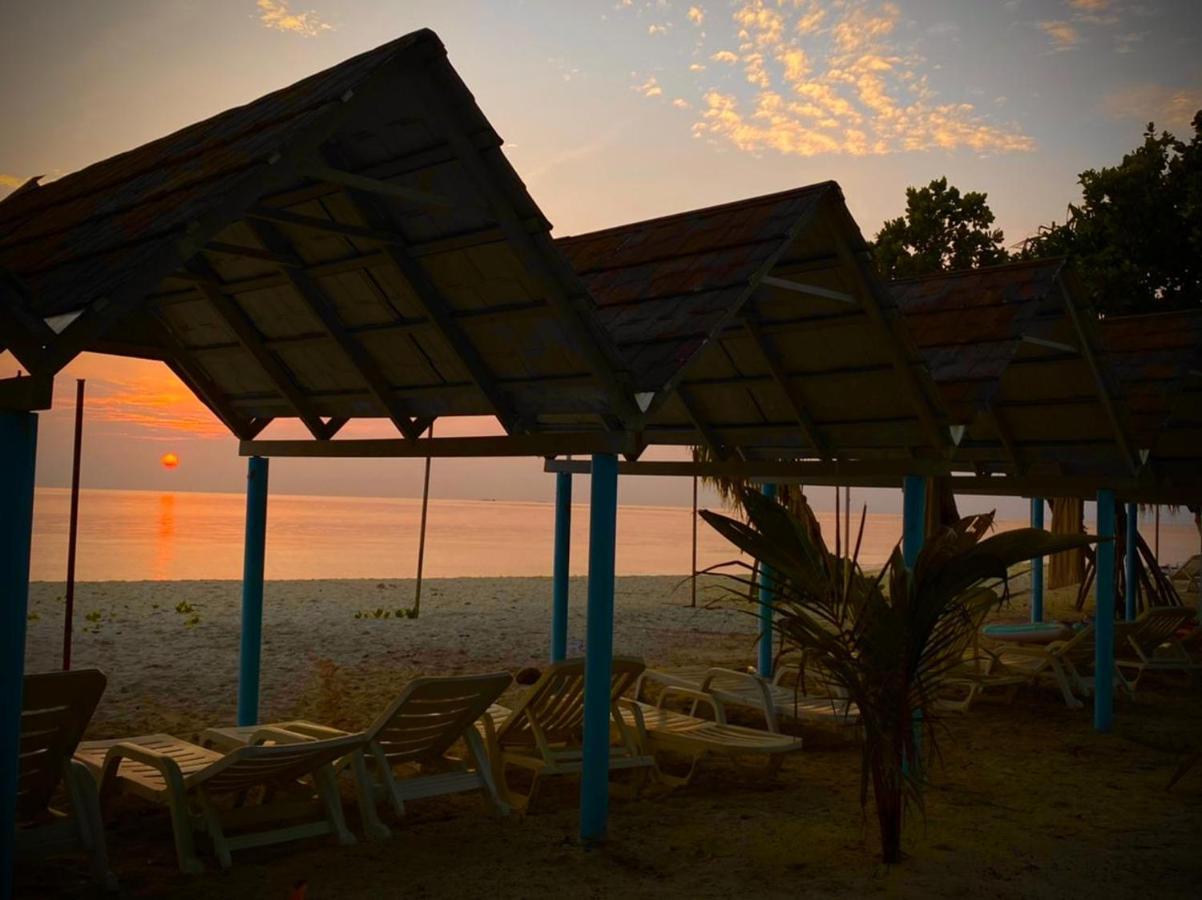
[
  {"x": 1136, "y": 236},
  {"x": 942, "y": 230}
]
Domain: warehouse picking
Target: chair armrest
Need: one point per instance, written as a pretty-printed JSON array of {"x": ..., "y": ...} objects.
[
  {"x": 311, "y": 729},
  {"x": 280, "y": 735},
  {"x": 161, "y": 762},
  {"x": 710, "y": 700},
  {"x": 761, "y": 686}
]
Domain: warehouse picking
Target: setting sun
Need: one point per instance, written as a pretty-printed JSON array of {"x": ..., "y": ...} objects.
[{"x": 169, "y": 461}]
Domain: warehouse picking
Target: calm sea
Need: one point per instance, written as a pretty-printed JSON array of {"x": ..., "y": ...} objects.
[{"x": 143, "y": 535}]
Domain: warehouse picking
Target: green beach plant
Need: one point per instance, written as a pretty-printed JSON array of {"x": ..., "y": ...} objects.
[{"x": 889, "y": 642}]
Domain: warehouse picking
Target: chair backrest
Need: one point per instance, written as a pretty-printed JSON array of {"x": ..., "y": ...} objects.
[
  {"x": 556, "y": 701},
  {"x": 55, "y": 710},
  {"x": 432, "y": 713},
  {"x": 1155, "y": 626},
  {"x": 257, "y": 764}
]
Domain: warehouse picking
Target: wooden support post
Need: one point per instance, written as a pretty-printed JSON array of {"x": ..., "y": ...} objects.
[
  {"x": 252, "y": 591},
  {"x": 560, "y": 566},
  {"x": 1103, "y": 679},
  {"x": 18, "y": 453},
  {"x": 421, "y": 537},
  {"x": 599, "y": 648},
  {"x": 1037, "y": 564},
  {"x": 766, "y": 618},
  {"x": 693, "y": 598},
  {"x": 1130, "y": 563},
  {"x": 73, "y": 527}
]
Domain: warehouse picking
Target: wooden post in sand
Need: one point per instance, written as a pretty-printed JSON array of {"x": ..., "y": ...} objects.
[
  {"x": 421, "y": 537},
  {"x": 1037, "y": 564},
  {"x": 1103, "y": 695},
  {"x": 251, "y": 646},
  {"x": 693, "y": 601},
  {"x": 765, "y": 646},
  {"x": 73, "y": 527}
]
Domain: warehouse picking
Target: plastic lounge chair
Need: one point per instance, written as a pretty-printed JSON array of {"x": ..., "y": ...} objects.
[
  {"x": 774, "y": 699},
  {"x": 416, "y": 730},
  {"x": 1150, "y": 644},
  {"x": 543, "y": 732},
  {"x": 1065, "y": 661},
  {"x": 56, "y": 708},
  {"x": 661, "y": 729},
  {"x": 188, "y": 778}
]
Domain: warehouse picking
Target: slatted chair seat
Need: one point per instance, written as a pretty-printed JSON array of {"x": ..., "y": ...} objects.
[
  {"x": 187, "y": 778},
  {"x": 409, "y": 745},
  {"x": 543, "y": 732},
  {"x": 55, "y": 710}
]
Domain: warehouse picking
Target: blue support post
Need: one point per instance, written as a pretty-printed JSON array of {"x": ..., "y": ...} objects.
[
  {"x": 765, "y": 652},
  {"x": 1103, "y": 681},
  {"x": 1130, "y": 577},
  {"x": 252, "y": 591},
  {"x": 1037, "y": 564},
  {"x": 914, "y": 517},
  {"x": 18, "y": 447},
  {"x": 599, "y": 647},
  {"x": 563, "y": 555}
]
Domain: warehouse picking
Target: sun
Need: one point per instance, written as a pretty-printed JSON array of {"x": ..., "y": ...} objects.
[{"x": 169, "y": 461}]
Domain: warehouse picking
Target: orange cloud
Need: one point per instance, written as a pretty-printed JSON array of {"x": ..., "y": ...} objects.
[
  {"x": 276, "y": 15},
  {"x": 1063, "y": 35},
  {"x": 1168, "y": 107}
]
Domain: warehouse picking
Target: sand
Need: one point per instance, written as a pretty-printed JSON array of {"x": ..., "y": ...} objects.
[{"x": 1026, "y": 800}]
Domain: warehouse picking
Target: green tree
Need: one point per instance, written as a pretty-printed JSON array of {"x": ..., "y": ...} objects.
[
  {"x": 1136, "y": 237},
  {"x": 942, "y": 230}
]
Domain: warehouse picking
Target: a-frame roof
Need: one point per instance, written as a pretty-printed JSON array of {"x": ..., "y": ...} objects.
[{"x": 353, "y": 245}]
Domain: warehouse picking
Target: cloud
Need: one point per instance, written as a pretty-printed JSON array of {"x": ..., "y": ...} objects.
[
  {"x": 1063, "y": 35},
  {"x": 682, "y": 103},
  {"x": 1089, "y": 5},
  {"x": 649, "y": 88},
  {"x": 696, "y": 15},
  {"x": 276, "y": 15},
  {"x": 696, "y": 67},
  {"x": 833, "y": 78},
  {"x": 1172, "y": 108},
  {"x": 155, "y": 401},
  {"x": 653, "y": 30}
]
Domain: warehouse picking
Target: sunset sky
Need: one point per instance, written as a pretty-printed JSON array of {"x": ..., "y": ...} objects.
[{"x": 611, "y": 111}]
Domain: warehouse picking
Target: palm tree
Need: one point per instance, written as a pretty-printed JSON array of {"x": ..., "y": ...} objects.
[{"x": 888, "y": 642}]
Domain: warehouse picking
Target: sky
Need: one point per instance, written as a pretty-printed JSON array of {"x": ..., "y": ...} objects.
[{"x": 612, "y": 111}]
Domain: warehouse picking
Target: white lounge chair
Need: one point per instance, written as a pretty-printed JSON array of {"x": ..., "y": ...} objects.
[
  {"x": 543, "y": 733},
  {"x": 55, "y": 710},
  {"x": 1150, "y": 644},
  {"x": 188, "y": 779},
  {"x": 408, "y": 744}
]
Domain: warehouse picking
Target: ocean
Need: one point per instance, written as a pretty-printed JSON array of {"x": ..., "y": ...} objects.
[{"x": 153, "y": 536}]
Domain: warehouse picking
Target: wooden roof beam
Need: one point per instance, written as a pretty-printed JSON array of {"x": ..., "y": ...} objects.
[
  {"x": 324, "y": 308},
  {"x": 564, "y": 291},
  {"x": 250, "y": 339},
  {"x": 1104, "y": 395},
  {"x": 708, "y": 437},
  {"x": 325, "y": 226},
  {"x": 809, "y": 429},
  {"x": 812, "y": 289},
  {"x": 289, "y": 259},
  {"x": 438, "y": 310},
  {"x": 490, "y": 446},
  {"x": 1005, "y": 437},
  {"x": 25, "y": 334},
  {"x": 322, "y": 172}
]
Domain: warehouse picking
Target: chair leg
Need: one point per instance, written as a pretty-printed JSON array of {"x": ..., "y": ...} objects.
[
  {"x": 212, "y": 820},
  {"x": 1066, "y": 690},
  {"x": 181, "y": 826},
  {"x": 327, "y": 790},
  {"x": 488, "y": 786},
  {"x": 365, "y": 790},
  {"x": 85, "y": 806},
  {"x": 387, "y": 780}
]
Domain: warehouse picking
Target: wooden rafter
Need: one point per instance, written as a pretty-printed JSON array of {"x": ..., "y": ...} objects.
[
  {"x": 323, "y": 172},
  {"x": 998, "y": 419},
  {"x": 275, "y": 258},
  {"x": 708, "y": 437},
  {"x": 507, "y": 445},
  {"x": 26, "y": 335},
  {"x": 809, "y": 428},
  {"x": 813, "y": 290},
  {"x": 1103, "y": 389},
  {"x": 563, "y": 289},
  {"x": 439, "y": 311},
  {"x": 324, "y": 308},
  {"x": 325, "y": 226},
  {"x": 250, "y": 339}
]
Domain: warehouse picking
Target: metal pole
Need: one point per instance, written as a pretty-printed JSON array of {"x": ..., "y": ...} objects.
[
  {"x": 252, "y": 591},
  {"x": 1130, "y": 578},
  {"x": 421, "y": 537},
  {"x": 914, "y": 511},
  {"x": 18, "y": 452},
  {"x": 560, "y": 574},
  {"x": 1037, "y": 564},
  {"x": 765, "y": 654},
  {"x": 1103, "y": 695},
  {"x": 693, "y": 600},
  {"x": 599, "y": 649},
  {"x": 73, "y": 526},
  {"x": 1156, "y": 537}
]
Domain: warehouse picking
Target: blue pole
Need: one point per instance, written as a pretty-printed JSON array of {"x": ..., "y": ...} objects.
[
  {"x": 1130, "y": 577},
  {"x": 559, "y": 577},
  {"x": 765, "y": 654},
  {"x": 252, "y": 591},
  {"x": 18, "y": 448},
  {"x": 1103, "y": 679},
  {"x": 1037, "y": 564},
  {"x": 914, "y": 517},
  {"x": 599, "y": 647}
]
